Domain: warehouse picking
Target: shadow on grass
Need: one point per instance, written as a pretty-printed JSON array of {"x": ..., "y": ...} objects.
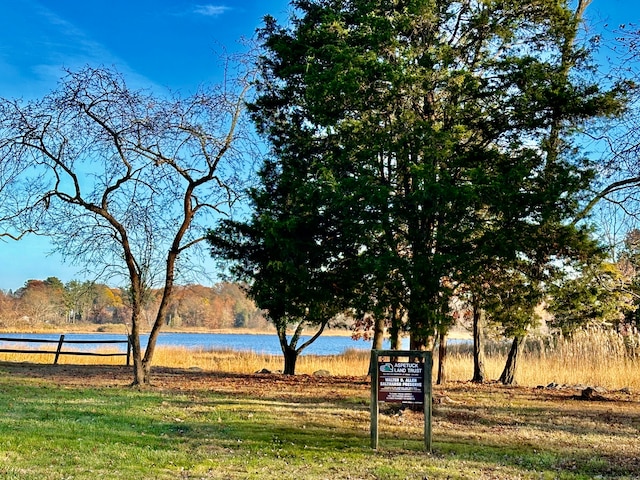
[
  {"x": 537, "y": 431},
  {"x": 256, "y": 417}
]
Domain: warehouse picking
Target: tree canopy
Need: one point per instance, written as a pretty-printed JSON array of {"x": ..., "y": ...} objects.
[{"x": 435, "y": 137}]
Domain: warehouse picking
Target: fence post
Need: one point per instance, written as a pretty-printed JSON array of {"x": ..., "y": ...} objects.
[{"x": 55, "y": 360}]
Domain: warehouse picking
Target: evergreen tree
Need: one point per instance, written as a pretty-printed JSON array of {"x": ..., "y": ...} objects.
[
  {"x": 289, "y": 253},
  {"x": 444, "y": 128}
]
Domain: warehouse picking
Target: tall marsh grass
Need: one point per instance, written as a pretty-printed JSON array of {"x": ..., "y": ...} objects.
[
  {"x": 604, "y": 359},
  {"x": 597, "y": 358}
]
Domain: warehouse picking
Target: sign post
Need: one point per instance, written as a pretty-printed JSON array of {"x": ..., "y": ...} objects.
[{"x": 401, "y": 377}]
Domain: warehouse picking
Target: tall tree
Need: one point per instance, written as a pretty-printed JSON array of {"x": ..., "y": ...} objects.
[
  {"x": 445, "y": 128},
  {"x": 287, "y": 254},
  {"x": 42, "y": 301},
  {"x": 122, "y": 180}
]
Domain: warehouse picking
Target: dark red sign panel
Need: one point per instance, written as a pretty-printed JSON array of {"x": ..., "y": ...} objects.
[{"x": 401, "y": 382}]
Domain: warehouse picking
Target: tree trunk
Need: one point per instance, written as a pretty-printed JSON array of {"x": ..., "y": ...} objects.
[
  {"x": 509, "y": 372},
  {"x": 395, "y": 327},
  {"x": 290, "y": 359},
  {"x": 421, "y": 344},
  {"x": 139, "y": 377},
  {"x": 290, "y": 349},
  {"x": 142, "y": 372},
  {"x": 378, "y": 338},
  {"x": 416, "y": 343},
  {"x": 442, "y": 358},
  {"x": 478, "y": 346},
  {"x": 157, "y": 326}
]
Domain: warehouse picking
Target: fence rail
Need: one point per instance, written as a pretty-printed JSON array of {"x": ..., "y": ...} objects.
[{"x": 58, "y": 351}]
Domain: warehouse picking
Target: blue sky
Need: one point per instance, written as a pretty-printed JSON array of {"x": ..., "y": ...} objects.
[
  {"x": 165, "y": 43},
  {"x": 162, "y": 44}
]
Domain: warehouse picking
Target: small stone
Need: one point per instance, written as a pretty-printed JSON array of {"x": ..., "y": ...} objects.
[
  {"x": 322, "y": 373},
  {"x": 588, "y": 394}
]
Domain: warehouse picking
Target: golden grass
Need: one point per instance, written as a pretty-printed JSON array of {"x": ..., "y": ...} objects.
[
  {"x": 615, "y": 373},
  {"x": 597, "y": 359},
  {"x": 594, "y": 358},
  {"x": 352, "y": 362}
]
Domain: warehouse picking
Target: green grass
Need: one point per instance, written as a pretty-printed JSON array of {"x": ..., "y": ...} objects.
[{"x": 214, "y": 427}]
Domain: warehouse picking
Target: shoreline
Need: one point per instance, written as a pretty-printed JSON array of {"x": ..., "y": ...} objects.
[{"x": 91, "y": 329}]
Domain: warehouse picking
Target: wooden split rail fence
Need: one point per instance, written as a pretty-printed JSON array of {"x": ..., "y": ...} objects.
[{"x": 59, "y": 351}]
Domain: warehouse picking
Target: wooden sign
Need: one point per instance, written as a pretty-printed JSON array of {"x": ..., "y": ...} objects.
[
  {"x": 401, "y": 382},
  {"x": 401, "y": 377}
]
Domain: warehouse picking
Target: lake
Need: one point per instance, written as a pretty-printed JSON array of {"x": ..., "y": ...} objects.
[{"x": 268, "y": 344}]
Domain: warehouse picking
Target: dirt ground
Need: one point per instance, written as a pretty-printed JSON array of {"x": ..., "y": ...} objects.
[
  {"x": 274, "y": 385},
  {"x": 167, "y": 379}
]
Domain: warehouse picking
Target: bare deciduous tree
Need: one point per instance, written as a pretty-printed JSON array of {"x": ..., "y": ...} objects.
[
  {"x": 615, "y": 200},
  {"x": 123, "y": 181}
]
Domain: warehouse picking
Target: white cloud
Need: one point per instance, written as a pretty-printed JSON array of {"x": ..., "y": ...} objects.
[
  {"x": 34, "y": 59},
  {"x": 211, "y": 10}
]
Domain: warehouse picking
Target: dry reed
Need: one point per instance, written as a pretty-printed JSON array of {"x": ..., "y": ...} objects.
[
  {"x": 602, "y": 359},
  {"x": 595, "y": 358}
]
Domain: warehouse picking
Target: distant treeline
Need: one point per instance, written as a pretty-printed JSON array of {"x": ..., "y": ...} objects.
[{"x": 50, "y": 302}]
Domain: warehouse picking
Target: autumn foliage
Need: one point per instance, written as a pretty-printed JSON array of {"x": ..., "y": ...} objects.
[{"x": 50, "y": 302}]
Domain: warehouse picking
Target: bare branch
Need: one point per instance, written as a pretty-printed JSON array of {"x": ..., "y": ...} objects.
[
  {"x": 115, "y": 177},
  {"x": 611, "y": 188}
]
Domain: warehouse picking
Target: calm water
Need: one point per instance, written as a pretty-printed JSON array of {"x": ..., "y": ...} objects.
[{"x": 324, "y": 345}]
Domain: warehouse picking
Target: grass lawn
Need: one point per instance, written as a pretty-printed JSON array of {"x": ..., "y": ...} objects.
[{"x": 83, "y": 422}]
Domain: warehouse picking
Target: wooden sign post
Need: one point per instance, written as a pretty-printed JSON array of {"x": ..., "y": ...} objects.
[{"x": 401, "y": 377}]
